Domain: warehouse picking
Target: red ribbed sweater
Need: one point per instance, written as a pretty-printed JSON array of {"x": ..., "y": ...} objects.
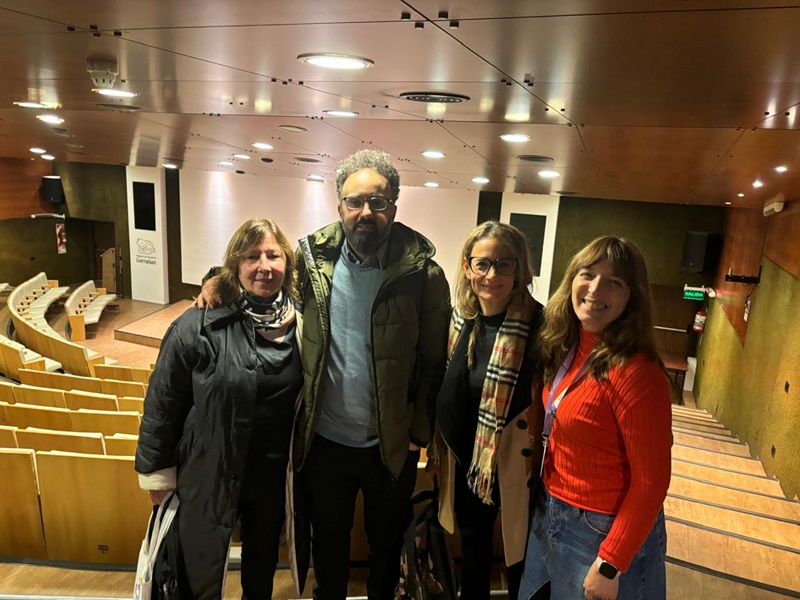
[{"x": 610, "y": 448}]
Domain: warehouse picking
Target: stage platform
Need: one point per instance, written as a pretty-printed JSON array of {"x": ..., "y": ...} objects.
[{"x": 149, "y": 330}]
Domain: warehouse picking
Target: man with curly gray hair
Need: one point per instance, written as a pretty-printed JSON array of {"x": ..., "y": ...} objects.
[{"x": 376, "y": 309}]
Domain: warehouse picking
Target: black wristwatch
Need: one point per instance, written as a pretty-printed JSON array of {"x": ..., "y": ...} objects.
[{"x": 607, "y": 570}]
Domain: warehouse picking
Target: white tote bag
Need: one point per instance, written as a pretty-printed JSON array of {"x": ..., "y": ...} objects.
[{"x": 157, "y": 529}]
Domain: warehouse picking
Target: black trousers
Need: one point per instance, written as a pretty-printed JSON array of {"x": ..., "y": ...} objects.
[
  {"x": 261, "y": 512},
  {"x": 331, "y": 478},
  {"x": 476, "y": 528}
]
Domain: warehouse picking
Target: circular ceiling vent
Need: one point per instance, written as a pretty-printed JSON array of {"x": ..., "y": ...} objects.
[
  {"x": 443, "y": 97},
  {"x": 293, "y": 128},
  {"x": 122, "y": 107},
  {"x": 306, "y": 159},
  {"x": 537, "y": 158}
]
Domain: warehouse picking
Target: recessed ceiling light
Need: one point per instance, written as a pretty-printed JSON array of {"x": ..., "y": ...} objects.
[
  {"x": 169, "y": 166},
  {"x": 549, "y": 174},
  {"x": 52, "y": 176},
  {"x": 30, "y": 105},
  {"x": 315, "y": 178},
  {"x": 781, "y": 169},
  {"x": 727, "y": 203},
  {"x": 433, "y": 154},
  {"x": 515, "y": 137},
  {"x": 52, "y": 119},
  {"x": 293, "y": 128},
  {"x": 112, "y": 93},
  {"x": 242, "y": 156},
  {"x": 335, "y": 61},
  {"x": 38, "y": 150},
  {"x": 758, "y": 183},
  {"x": 48, "y": 157},
  {"x": 480, "y": 180},
  {"x": 431, "y": 184},
  {"x": 740, "y": 195},
  {"x": 340, "y": 113},
  {"x": 225, "y": 163},
  {"x": 440, "y": 97},
  {"x": 262, "y": 146}
]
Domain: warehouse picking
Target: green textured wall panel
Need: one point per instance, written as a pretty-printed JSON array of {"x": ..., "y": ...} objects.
[
  {"x": 744, "y": 386},
  {"x": 659, "y": 230}
]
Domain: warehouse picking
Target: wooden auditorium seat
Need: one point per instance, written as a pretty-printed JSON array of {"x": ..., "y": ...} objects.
[
  {"x": 107, "y": 422},
  {"x": 133, "y": 389},
  {"x": 121, "y": 444},
  {"x": 14, "y": 357},
  {"x": 42, "y": 417},
  {"x": 8, "y": 439},
  {"x": 84, "y": 307},
  {"x": 60, "y": 381},
  {"x": 66, "y": 441},
  {"x": 127, "y": 403},
  {"x": 92, "y": 507},
  {"x": 40, "y": 396},
  {"x": 6, "y": 392},
  {"x": 21, "y": 532},
  {"x": 78, "y": 399}
]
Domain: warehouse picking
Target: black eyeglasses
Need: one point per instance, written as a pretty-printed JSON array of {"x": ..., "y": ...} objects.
[
  {"x": 377, "y": 203},
  {"x": 502, "y": 266}
]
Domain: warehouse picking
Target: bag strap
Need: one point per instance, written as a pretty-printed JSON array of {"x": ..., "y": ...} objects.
[{"x": 160, "y": 523}]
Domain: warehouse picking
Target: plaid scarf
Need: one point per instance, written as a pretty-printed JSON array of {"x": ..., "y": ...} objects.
[{"x": 501, "y": 377}]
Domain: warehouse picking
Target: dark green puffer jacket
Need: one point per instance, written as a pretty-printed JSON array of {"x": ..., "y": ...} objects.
[{"x": 410, "y": 318}]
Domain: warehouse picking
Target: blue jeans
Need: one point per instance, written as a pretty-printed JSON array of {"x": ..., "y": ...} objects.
[{"x": 563, "y": 542}]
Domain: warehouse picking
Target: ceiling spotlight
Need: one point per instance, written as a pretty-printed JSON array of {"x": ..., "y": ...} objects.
[
  {"x": 549, "y": 174},
  {"x": 169, "y": 166},
  {"x": 315, "y": 178},
  {"x": 242, "y": 156},
  {"x": 480, "y": 180},
  {"x": 340, "y": 113},
  {"x": 515, "y": 137},
  {"x": 758, "y": 183},
  {"x": 293, "y": 128},
  {"x": 740, "y": 195},
  {"x": 48, "y": 157},
  {"x": 38, "y": 150},
  {"x": 781, "y": 169},
  {"x": 262, "y": 146},
  {"x": 225, "y": 163},
  {"x": 431, "y": 184},
  {"x": 52, "y": 176},
  {"x": 728, "y": 203},
  {"x": 335, "y": 61},
  {"x": 30, "y": 104},
  {"x": 52, "y": 119},
  {"x": 114, "y": 93},
  {"x": 433, "y": 154}
]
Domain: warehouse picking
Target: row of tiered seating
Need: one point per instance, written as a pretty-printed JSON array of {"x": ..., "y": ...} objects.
[
  {"x": 67, "y": 382},
  {"x": 107, "y": 422},
  {"x": 84, "y": 306},
  {"x": 34, "y": 298},
  {"x": 72, "y": 399},
  {"x": 74, "y": 358},
  {"x": 46, "y": 440},
  {"x": 14, "y": 356}
]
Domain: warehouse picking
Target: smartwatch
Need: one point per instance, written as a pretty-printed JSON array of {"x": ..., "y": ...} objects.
[{"x": 607, "y": 570}]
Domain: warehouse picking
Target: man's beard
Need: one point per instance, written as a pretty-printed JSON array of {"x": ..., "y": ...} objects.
[{"x": 366, "y": 241}]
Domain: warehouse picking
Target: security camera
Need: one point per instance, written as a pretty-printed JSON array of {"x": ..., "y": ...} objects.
[
  {"x": 103, "y": 73},
  {"x": 773, "y": 205}
]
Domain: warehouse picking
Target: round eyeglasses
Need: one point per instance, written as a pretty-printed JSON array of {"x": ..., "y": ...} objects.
[
  {"x": 502, "y": 266},
  {"x": 376, "y": 203}
]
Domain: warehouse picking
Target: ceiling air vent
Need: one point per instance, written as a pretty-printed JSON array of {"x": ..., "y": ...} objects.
[
  {"x": 443, "y": 97},
  {"x": 306, "y": 159},
  {"x": 537, "y": 158},
  {"x": 566, "y": 193},
  {"x": 121, "y": 107}
]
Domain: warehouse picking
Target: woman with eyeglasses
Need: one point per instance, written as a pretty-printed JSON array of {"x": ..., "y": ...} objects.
[
  {"x": 481, "y": 452},
  {"x": 598, "y": 527}
]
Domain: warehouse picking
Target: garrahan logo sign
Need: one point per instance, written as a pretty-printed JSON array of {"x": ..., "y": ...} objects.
[{"x": 145, "y": 252}]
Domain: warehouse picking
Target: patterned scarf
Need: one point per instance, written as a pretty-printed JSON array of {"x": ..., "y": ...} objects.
[
  {"x": 272, "y": 319},
  {"x": 501, "y": 377}
]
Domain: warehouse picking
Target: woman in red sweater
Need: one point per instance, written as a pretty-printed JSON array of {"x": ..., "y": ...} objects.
[{"x": 597, "y": 530}]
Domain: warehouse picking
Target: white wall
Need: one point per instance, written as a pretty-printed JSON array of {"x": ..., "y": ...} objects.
[
  {"x": 537, "y": 204},
  {"x": 214, "y": 204},
  {"x": 148, "y": 249}
]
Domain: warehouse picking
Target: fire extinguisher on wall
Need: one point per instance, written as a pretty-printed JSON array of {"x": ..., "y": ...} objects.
[{"x": 699, "y": 321}]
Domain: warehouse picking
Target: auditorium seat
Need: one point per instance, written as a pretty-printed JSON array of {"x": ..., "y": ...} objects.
[
  {"x": 43, "y": 417},
  {"x": 106, "y": 422},
  {"x": 7, "y": 437},
  {"x": 60, "y": 381},
  {"x": 122, "y": 388},
  {"x": 21, "y": 532},
  {"x": 67, "y": 441},
  {"x": 78, "y": 399},
  {"x": 40, "y": 396},
  {"x": 127, "y": 403},
  {"x": 121, "y": 444},
  {"x": 83, "y": 525}
]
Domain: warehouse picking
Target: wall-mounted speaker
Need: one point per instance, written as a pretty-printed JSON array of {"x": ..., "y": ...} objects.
[
  {"x": 52, "y": 191},
  {"x": 701, "y": 251}
]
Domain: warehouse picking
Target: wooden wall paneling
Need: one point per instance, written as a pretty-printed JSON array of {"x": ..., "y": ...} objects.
[
  {"x": 19, "y": 194},
  {"x": 741, "y": 252}
]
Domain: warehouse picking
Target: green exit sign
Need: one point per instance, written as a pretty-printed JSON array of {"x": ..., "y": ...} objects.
[{"x": 690, "y": 293}]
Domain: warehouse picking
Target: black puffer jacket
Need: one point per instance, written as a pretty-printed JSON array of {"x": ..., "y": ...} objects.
[{"x": 198, "y": 417}]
